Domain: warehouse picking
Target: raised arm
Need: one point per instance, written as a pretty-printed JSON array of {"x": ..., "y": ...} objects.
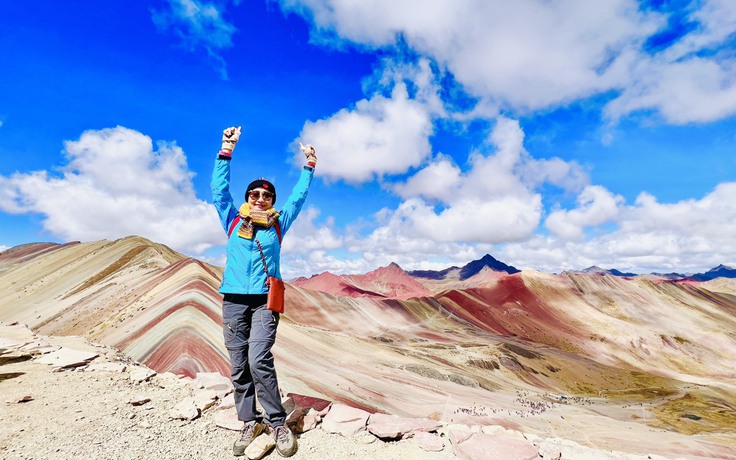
[
  {"x": 298, "y": 196},
  {"x": 221, "y": 197}
]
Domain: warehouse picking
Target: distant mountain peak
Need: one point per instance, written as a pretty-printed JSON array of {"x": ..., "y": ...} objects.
[
  {"x": 489, "y": 261},
  {"x": 721, "y": 271},
  {"x": 468, "y": 270},
  {"x": 390, "y": 281},
  {"x": 596, "y": 270}
]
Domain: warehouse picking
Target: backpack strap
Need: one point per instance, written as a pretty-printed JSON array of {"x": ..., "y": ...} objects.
[
  {"x": 236, "y": 221},
  {"x": 278, "y": 230},
  {"x": 233, "y": 225}
]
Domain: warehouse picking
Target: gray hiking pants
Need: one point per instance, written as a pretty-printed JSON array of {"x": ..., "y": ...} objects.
[{"x": 250, "y": 332}]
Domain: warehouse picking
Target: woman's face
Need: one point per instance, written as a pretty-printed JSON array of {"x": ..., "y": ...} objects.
[{"x": 260, "y": 199}]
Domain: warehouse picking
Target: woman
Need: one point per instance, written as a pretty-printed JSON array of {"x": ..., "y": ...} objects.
[{"x": 253, "y": 250}]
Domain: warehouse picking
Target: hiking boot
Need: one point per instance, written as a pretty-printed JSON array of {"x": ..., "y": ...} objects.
[
  {"x": 250, "y": 431},
  {"x": 285, "y": 441}
]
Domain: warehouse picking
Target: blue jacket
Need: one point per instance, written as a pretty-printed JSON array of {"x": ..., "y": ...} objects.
[{"x": 244, "y": 272}]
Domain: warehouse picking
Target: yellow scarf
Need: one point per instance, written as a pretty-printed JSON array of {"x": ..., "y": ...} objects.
[{"x": 253, "y": 217}]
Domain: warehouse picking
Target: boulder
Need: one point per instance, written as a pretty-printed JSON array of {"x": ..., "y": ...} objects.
[
  {"x": 481, "y": 446},
  {"x": 141, "y": 374},
  {"x": 67, "y": 357},
  {"x": 227, "y": 419},
  {"x": 458, "y": 433},
  {"x": 214, "y": 381},
  {"x": 185, "y": 410},
  {"x": 204, "y": 399},
  {"x": 305, "y": 412},
  {"x": 345, "y": 420},
  {"x": 227, "y": 402},
  {"x": 392, "y": 427},
  {"x": 429, "y": 442},
  {"x": 307, "y": 402}
]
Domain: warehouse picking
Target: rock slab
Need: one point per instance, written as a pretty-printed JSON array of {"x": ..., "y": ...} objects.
[{"x": 345, "y": 420}]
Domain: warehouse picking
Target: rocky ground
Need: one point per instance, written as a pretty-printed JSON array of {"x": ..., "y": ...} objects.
[
  {"x": 88, "y": 412},
  {"x": 67, "y": 398}
]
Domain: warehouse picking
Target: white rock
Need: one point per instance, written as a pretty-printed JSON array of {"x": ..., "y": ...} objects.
[
  {"x": 345, "y": 420},
  {"x": 214, "y": 381},
  {"x": 67, "y": 357},
  {"x": 141, "y": 374},
  {"x": 185, "y": 410},
  {"x": 19, "y": 399},
  {"x": 481, "y": 446},
  {"x": 260, "y": 446},
  {"x": 499, "y": 430},
  {"x": 169, "y": 380},
  {"x": 429, "y": 442},
  {"x": 107, "y": 367},
  {"x": 392, "y": 427},
  {"x": 204, "y": 399},
  {"x": 227, "y": 419},
  {"x": 139, "y": 400},
  {"x": 227, "y": 402},
  {"x": 365, "y": 437}
]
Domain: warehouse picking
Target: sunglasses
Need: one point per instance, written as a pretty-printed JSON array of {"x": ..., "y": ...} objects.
[{"x": 255, "y": 195}]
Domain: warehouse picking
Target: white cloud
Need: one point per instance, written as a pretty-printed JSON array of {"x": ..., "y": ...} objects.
[
  {"x": 306, "y": 236},
  {"x": 689, "y": 235},
  {"x": 115, "y": 185},
  {"x": 530, "y": 54},
  {"x": 435, "y": 181},
  {"x": 495, "y": 201},
  {"x": 596, "y": 206},
  {"x": 692, "y": 90},
  {"x": 527, "y": 54},
  {"x": 647, "y": 236},
  {"x": 446, "y": 210},
  {"x": 197, "y": 24},
  {"x": 469, "y": 220},
  {"x": 380, "y": 136}
]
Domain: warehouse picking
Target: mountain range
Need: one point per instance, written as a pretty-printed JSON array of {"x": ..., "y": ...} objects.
[{"x": 640, "y": 364}]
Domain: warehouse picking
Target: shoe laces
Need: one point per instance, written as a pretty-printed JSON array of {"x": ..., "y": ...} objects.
[
  {"x": 248, "y": 430},
  {"x": 282, "y": 434}
]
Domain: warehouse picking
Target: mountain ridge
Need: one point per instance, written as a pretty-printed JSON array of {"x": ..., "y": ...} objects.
[{"x": 602, "y": 341}]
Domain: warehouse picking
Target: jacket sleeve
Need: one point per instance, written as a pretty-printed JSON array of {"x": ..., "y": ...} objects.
[
  {"x": 294, "y": 203},
  {"x": 221, "y": 197}
]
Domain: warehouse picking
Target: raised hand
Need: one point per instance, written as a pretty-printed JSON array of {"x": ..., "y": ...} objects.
[
  {"x": 230, "y": 137},
  {"x": 310, "y": 153}
]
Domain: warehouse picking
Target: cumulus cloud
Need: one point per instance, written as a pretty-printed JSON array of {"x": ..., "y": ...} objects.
[
  {"x": 113, "y": 185},
  {"x": 197, "y": 24},
  {"x": 380, "y": 136},
  {"x": 526, "y": 54},
  {"x": 306, "y": 235},
  {"x": 689, "y": 235},
  {"x": 596, "y": 206},
  {"x": 494, "y": 201},
  {"x": 530, "y": 54},
  {"x": 435, "y": 181}
]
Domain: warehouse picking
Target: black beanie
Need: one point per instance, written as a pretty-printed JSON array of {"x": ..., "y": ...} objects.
[{"x": 261, "y": 183}]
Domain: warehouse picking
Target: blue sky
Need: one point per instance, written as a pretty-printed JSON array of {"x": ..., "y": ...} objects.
[{"x": 552, "y": 135}]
